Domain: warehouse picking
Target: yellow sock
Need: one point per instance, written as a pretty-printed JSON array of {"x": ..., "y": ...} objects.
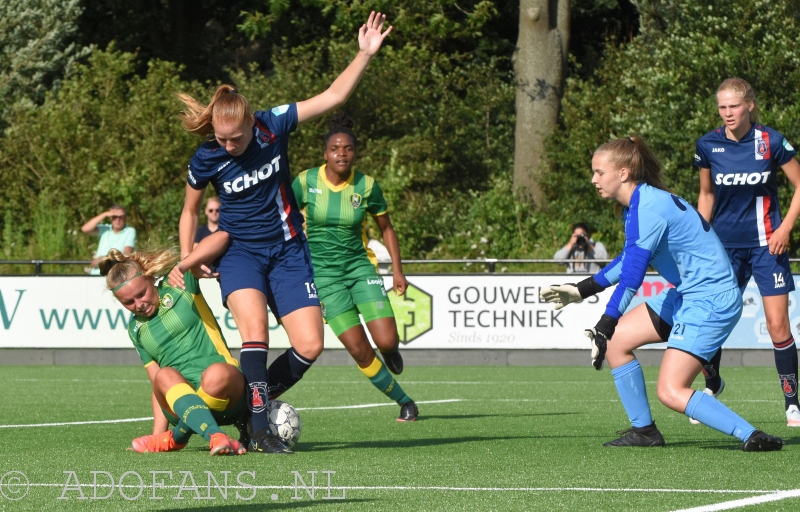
[
  {"x": 177, "y": 391},
  {"x": 215, "y": 404},
  {"x": 373, "y": 369}
]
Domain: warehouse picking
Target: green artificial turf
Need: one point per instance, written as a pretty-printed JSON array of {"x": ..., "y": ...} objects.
[{"x": 491, "y": 438}]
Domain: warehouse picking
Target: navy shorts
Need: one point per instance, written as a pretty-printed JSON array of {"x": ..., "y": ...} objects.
[
  {"x": 771, "y": 272},
  {"x": 282, "y": 272}
]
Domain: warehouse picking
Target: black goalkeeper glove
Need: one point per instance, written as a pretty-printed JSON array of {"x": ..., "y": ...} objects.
[{"x": 599, "y": 337}]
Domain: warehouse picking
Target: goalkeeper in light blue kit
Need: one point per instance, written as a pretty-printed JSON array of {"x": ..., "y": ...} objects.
[{"x": 695, "y": 317}]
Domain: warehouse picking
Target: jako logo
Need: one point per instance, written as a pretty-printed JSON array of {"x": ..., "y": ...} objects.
[
  {"x": 742, "y": 178},
  {"x": 717, "y": 150},
  {"x": 248, "y": 180},
  {"x": 226, "y": 164}
]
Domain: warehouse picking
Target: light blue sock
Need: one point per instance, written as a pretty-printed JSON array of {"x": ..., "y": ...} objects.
[
  {"x": 629, "y": 379},
  {"x": 709, "y": 411}
]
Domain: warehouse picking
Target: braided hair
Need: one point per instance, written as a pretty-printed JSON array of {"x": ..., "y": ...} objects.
[{"x": 340, "y": 123}]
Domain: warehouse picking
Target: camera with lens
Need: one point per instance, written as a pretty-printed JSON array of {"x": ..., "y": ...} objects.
[{"x": 582, "y": 243}]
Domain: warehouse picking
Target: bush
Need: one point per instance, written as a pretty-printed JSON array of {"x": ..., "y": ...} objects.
[{"x": 661, "y": 86}]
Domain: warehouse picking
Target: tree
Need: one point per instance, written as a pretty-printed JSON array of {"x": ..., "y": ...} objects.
[
  {"x": 199, "y": 35},
  {"x": 661, "y": 86},
  {"x": 434, "y": 114},
  {"x": 434, "y": 111},
  {"x": 36, "y": 46},
  {"x": 541, "y": 63},
  {"x": 105, "y": 136}
]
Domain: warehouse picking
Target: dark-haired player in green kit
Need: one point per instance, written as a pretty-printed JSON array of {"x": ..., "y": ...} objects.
[
  {"x": 337, "y": 202},
  {"x": 196, "y": 382}
]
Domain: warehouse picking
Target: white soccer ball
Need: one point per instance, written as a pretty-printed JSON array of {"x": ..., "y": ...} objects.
[{"x": 284, "y": 422}]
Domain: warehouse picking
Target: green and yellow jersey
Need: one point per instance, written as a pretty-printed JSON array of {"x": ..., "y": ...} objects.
[
  {"x": 183, "y": 335},
  {"x": 336, "y": 221}
]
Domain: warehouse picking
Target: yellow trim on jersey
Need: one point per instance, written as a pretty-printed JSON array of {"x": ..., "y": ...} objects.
[
  {"x": 373, "y": 369},
  {"x": 365, "y": 242},
  {"x": 213, "y": 403},
  {"x": 335, "y": 188},
  {"x": 148, "y": 364},
  {"x": 177, "y": 392},
  {"x": 212, "y": 329}
]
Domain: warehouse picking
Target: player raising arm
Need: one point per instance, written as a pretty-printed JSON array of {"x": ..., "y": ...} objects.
[
  {"x": 267, "y": 265},
  {"x": 695, "y": 317}
]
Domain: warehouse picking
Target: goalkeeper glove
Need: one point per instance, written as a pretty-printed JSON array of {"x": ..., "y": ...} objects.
[
  {"x": 563, "y": 294},
  {"x": 599, "y": 337}
]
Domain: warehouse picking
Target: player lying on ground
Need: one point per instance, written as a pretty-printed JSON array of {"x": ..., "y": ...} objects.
[
  {"x": 196, "y": 382},
  {"x": 662, "y": 230}
]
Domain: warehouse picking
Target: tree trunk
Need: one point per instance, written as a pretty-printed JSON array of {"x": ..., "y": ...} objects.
[{"x": 540, "y": 62}]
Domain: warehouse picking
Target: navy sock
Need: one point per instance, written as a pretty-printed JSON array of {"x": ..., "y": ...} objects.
[
  {"x": 711, "y": 372},
  {"x": 709, "y": 411},
  {"x": 786, "y": 363},
  {"x": 285, "y": 371},
  {"x": 629, "y": 380},
  {"x": 253, "y": 360}
]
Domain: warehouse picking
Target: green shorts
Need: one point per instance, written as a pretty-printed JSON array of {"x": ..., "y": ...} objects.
[
  {"x": 344, "y": 299},
  {"x": 194, "y": 373}
]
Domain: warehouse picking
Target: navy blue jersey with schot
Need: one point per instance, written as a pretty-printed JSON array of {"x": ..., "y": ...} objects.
[
  {"x": 744, "y": 176},
  {"x": 255, "y": 190}
]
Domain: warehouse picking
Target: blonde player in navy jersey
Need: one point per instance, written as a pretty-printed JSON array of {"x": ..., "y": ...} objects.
[
  {"x": 338, "y": 201},
  {"x": 245, "y": 159},
  {"x": 739, "y": 165},
  {"x": 196, "y": 382},
  {"x": 695, "y": 317}
]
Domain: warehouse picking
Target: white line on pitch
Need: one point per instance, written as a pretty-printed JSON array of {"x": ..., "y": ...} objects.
[
  {"x": 767, "y": 493},
  {"x": 141, "y": 381},
  {"x": 95, "y": 422},
  {"x": 744, "y": 502},
  {"x": 130, "y": 420},
  {"x": 382, "y": 404}
]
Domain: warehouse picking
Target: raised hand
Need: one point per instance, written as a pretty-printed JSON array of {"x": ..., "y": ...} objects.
[{"x": 370, "y": 35}]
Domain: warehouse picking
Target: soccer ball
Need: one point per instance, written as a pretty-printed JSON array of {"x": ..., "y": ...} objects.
[{"x": 284, "y": 422}]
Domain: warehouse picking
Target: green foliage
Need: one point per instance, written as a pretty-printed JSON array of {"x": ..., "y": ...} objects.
[
  {"x": 198, "y": 35},
  {"x": 434, "y": 128},
  {"x": 498, "y": 224},
  {"x": 434, "y": 113},
  {"x": 661, "y": 86},
  {"x": 105, "y": 137},
  {"x": 36, "y": 46}
]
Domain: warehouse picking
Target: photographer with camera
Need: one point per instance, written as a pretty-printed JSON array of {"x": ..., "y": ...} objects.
[{"x": 582, "y": 247}]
